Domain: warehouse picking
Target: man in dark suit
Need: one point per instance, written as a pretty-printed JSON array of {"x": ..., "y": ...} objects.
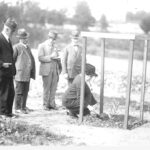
[{"x": 7, "y": 68}]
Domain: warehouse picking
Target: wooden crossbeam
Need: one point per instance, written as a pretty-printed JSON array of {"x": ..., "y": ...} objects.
[
  {"x": 108, "y": 35},
  {"x": 142, "y": 37}
]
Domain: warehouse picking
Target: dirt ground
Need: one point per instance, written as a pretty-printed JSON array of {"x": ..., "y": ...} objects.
[
  {"x": 58, "y": 122},
  {"x": 82, "y": 135}
]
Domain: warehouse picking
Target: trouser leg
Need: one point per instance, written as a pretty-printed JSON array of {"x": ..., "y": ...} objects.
[
  {"x": 53, "y": 89},
  {"x": 6, "y": 95},
  {"x": 18, "y": 95},
  {"x": 46, "y": 89},
  {"x": 3, "y": 94},
  {"x": 74, "y": 107},
  {"x": 22, "y": 89},
  {"x": 10, "y": 99},
  {"x": 25, "y": 94}
]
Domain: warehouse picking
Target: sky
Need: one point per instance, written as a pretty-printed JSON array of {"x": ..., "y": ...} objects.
[{"x": 113, "y": 9}]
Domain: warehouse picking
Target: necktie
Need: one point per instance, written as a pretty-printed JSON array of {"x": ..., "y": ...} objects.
[{"x": 9, "y": 41}]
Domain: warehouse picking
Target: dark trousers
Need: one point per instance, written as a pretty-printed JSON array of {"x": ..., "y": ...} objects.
[
  {"x": 6, "y": 95},
  {"x": 21, "y": 94}
]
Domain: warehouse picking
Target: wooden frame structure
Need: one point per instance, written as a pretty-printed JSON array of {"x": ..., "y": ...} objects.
[{"x": 103, "y": 37}]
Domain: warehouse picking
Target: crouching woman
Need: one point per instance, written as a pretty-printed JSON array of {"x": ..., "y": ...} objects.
[{"x": 71, "y": 98}]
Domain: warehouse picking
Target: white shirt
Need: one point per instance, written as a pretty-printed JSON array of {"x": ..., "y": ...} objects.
[
  {"x": 5, "y": 35},
  {"x": 25, "y": 45}
]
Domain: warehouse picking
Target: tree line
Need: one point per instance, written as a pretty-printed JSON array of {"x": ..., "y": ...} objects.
[
  {"x": 31, "y": 16},
  {"x": 29, "y": 12}
]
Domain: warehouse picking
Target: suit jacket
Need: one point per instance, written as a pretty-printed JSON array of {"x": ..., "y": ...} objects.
[
  {"x": 71, "y": 59},
  {"x": 6, "y": 56},
  {"x": 25, "y": 63},
  {"x": 44, "y": 52}
]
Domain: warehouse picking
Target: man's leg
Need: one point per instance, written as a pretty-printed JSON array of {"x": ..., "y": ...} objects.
[
  {"x": 18, "y": 95},
  {"x": 53, "y": 89},
  {"x": 10, "y": 98},
  {"x": 4, "y": 90},
  {"x": 46, "y": 89},
  {"x": 25, "y": 95}
]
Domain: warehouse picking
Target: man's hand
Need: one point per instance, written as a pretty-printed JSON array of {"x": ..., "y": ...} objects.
[
  {"x": 6, "y": 65},
  {"x": 66, "y": 75},
  {"x": 54, "y": 55}
]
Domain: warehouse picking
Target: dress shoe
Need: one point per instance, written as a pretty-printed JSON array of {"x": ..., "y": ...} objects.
[
  {"x": 72, "y": 114},
  {"x": 28, "y": 109},
  {"x": 53, "y": 108},
  {"x": 46, "y": 108},
  {"x": 11, "y": 116},
  {"x": 17, "y": 111},
  {"x": 24, "y": 112}
]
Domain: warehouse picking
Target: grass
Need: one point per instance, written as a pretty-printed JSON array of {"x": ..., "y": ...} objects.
[{"x": 12, "y": 133}]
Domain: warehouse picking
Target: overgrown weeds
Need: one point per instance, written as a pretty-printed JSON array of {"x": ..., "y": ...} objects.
[{"x": 12, "y": 133}]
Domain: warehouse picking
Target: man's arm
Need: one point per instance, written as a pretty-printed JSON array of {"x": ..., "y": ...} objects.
[{"x": 41, "y": 55}]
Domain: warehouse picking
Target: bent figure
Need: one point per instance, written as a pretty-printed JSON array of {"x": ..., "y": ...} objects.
[{"x": 71, "y": 98}]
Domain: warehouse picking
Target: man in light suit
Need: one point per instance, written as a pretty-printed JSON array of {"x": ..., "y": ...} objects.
[
  {"x": 49, "y": 70},
  {"x": 71, "y": 58},
  {"x": 25, "y": 69},
  {"x": 7, "y": 69}
]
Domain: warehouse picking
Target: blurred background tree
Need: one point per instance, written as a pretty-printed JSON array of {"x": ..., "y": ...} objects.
[
  {"x": 39, "y": 21},
  {"x": 135, "y": 17},
  {"x": 103, "y": 23},
  {"x": 56, "y": 17},
  {"x": 145, "y": 23},
  {"x": 83, "y": 17},
  {"x": 142, "y": 18}
]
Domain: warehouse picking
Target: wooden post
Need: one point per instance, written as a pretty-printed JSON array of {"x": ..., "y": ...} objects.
[
  {"x": 102, "y": 75},
  {"x": 82, "y": 81},
  {"x": 143, "y": 79},
  {"x": 129, "y": 84}
]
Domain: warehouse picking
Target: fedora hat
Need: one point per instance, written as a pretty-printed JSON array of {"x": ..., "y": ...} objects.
[
  {"x": 75, "y": 34},
  {"x": 22, "y": 34},
  {"x": 52, "y": 34},
  {"x": 11, "y": 23},
  {"x": 90, "y": 70}
]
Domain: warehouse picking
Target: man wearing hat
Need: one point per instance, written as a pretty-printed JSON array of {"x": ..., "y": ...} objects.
[
  {"x": 7, "y": 68},
  {"x": 25, "y": 69},
  {"x": 71, "y": 57},
  {"x": 49, "y": 69},
  {"x": 71, "y": 98}
]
